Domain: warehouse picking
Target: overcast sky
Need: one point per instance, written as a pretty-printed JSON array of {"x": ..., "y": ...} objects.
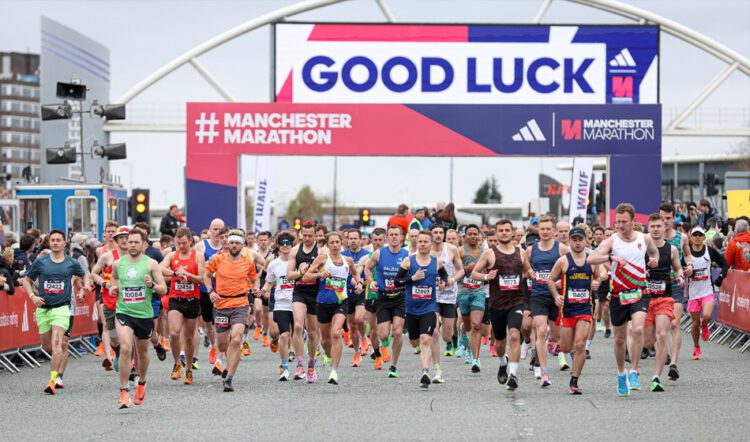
[{"x": 144, "y": 35}]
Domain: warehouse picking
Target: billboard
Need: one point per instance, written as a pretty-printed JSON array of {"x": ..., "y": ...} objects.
[
  {"x": 70, "y": 57},
  {"x": 498, "y": 64}
]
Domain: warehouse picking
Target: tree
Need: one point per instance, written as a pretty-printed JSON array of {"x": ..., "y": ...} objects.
[
  {"x": 488, "y": 192},
  {"x": 306, "y": 205}
]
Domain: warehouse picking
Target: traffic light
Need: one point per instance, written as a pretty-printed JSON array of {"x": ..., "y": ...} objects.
[
  {"x": 711, "y": 183},
  {"x": 601, "y": 195},
  {"x": 140, "y": 206},
  {"x": 365, "y": 218},
  {"x": 297, "y": 223}
]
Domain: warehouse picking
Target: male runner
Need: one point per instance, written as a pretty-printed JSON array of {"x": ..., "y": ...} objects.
[
  {"x": 282, "y": 308},
  {"x": 579, "y": 280},
  {"x": 185, "y": 267},
  {"x": 55, "y": 274},
  {"x": 356, "y": 313},
  {"x": 542, "y": 257},
  {"x": 304, "y": 305},
  {"x": 659, "y": 287},
  {"x": 331, "y": 270},
  {"x": 419, "y": 275},
  {"x": 260, "y": 307},
  {"x": 626, "y": 249},
  {"x": 320, "y": 235},
  {"x": 471, "y": 295},
  {"x": 108, "y": 243},
  {"x": 134, "y": 278},
  {"x": 158, "y": 339},
  {"x": 390, "y": 304},
  {"x": 446, "y": 297},
  {"x": 562, "y": 229},
  {"x": 377, "y": 239},
  {"x": 234, "y": 273},
  {"x": 255, "y": 313},
  {"x": 208, "y": 248},
  {"x": 503, "y": 267}
]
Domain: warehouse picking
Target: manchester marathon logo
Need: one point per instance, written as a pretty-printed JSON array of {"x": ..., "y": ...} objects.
[
  {"x": 607, "y": 129},
  {"x": 269, "y": 127}
]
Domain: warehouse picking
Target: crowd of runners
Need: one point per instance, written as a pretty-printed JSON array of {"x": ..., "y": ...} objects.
[{"x": 469, "y": 292}]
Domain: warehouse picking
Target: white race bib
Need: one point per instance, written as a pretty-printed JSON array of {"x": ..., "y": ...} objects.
[
  {"x": 132, "y": 295},
  {"x": 578, "y": 296},
  {"x": 509, "y": 282},
  {"x": 421, "y": 292}
]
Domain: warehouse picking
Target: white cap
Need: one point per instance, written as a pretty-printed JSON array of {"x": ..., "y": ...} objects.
[{"x": 697, "y": 229}]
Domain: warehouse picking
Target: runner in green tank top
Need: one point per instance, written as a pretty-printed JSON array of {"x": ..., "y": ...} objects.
[
  {"x": 135, "y": 278},
  {"x": 377, "y": 239}
]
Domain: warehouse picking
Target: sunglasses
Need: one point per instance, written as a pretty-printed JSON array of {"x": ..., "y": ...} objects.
[{"x": 285, "y": 242}]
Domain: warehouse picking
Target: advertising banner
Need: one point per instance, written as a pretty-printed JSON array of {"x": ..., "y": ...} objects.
[
  {"x": 583, "y": 174},
  {"x": 509, "y": 64},
  {"x": 734, "y": 300},
  {"x": 262, "y": 192}
]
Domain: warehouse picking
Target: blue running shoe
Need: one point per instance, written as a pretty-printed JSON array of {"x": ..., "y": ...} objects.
[
  {"x": 116, "y": 364},
  {"x": 633, "y": 380},
  {"x": 460, "y": 350},
  {"x": 469, "y": 358},
  {"x": 182, "y": 359},
  {"x": 622, "y": 385}
]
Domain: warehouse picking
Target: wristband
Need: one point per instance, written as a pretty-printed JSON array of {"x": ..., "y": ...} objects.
[{"x": 486, "y": 279}]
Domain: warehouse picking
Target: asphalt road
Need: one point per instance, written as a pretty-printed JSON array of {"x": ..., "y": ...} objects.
[{"x": 709, "y": 401}]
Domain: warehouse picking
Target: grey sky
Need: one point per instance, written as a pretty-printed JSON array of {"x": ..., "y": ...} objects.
[{"x": 144, "y": 35}]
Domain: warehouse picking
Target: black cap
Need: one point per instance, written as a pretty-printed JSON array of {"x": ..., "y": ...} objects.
[{"x": 577, "y": 232}]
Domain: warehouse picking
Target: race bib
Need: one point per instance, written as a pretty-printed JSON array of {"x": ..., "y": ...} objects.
[
  {"x": 54, "y": 286},
  {"x": 529, "y": 283},
  {"x": 132, "y": 295},
  {"x": 184, "y": 287},
  {"x": 509, "y": 282},
  {"x": 630, "y": 296},
  {"x": 390, "y": 285},
  {"x": 221, "y": 321},
  {"x": 421, "y": 292},
  {"x": 578, "y": 296},
  {"x": 472, "y": 284},
  {"x": 656, "y": 287},
  {"x": 285, "y": 284},
  {"x": 700, "y": 275},
  {"x": 542, "y": 276},
  {"x": 337, "y": 286}
]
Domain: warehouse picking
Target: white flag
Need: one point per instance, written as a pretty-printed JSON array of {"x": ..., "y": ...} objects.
[
  {"x": 262, "y": 193},
  {"x": 583, "y": 171}
]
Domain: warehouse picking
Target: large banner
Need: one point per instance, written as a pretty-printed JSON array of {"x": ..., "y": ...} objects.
[
  {"x": 734, "y": 300},
  {"x": 583, "y": 174},
  {"x": 262, "y": 193},
  {"x": 509, "y": 64}
]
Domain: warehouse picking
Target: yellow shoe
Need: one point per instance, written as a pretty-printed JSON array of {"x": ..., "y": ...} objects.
[
  {"x": 246, "y": 349},
  {"x": 176, "y": 372}
]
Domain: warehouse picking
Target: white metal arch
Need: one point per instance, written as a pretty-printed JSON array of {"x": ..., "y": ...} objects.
[{"x": 734, "y": 60}]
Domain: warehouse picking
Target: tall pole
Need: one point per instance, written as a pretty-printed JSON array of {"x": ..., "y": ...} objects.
[
  {"x": 451, "y": 181},
  {"x": 335, "y": 181},
  {"x": 83, "y": 156}
]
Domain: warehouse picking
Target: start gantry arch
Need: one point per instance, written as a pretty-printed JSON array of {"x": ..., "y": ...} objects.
[{"x": 734, "y": 61}]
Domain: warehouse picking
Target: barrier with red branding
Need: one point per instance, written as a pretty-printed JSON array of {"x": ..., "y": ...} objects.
[
  {"x": 18, "y": 320},
  {"x": 734, "y": 300}
]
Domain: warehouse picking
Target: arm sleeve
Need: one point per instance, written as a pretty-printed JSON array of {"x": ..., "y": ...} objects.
[
  {"x": 401, "y": 277},
  {"x": 443, "y": 274}
]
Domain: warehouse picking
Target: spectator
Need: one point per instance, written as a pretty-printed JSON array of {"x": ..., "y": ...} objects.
[
  {"x": 447, "y": 217},
  {"x": 692, "y": 215},
  {"x": 420, "y": 221},
  {"x": 738, "y": 249},
  {"x": 7, "y": 276},
  {"x": 150, "y": 251},
  {"x": 78, "y": 250},
  {"x": 21, "y": 254},
  {"x": 438, "y": 209},
  {"x": 714, "y": 229},
  {"x": 167, "y": 241},
  {"x": 401, "y": 218},
  {"x": 706, "y": 213},
  {"x": 170, "y": 223}
]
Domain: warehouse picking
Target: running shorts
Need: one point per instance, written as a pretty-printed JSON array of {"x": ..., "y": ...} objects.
[
  {"x": 283, "y": 319},
  {"x": 620, "y": 314},
  {"x": 447, "y": 311},
  {"x": 224, "y": 319},
  {"x": 388, "y": 308},
  {"x": 326, "y": 312},
  {"x": 505, "y": 319},
  {"x": 189, "y": 308},
  {"x": 544, "y": 306},
  {"x": 417, "y": 325},
  {"x": 142, "y": 327}
]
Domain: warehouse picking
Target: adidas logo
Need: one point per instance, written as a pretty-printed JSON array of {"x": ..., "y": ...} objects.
[
  {"x": 529, "y": 132},
  {"x": 623, "y": 59}
]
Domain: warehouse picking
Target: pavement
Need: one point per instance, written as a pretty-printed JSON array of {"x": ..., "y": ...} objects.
[{"x": 708, "y": 402}]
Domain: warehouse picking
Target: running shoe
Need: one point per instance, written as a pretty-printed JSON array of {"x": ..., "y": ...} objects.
[
  {"x": 176, "y": 372},
  {"x": 563, "y": 362},
  {"x": 188, "y": 377},
  {"x": 265, "y": 341},
  {"x": 476, "y": 366},
  {"x": 292, "y": 356},
  {"x": 333, "y": 378},
  {"x": 133, "y": 374},
  {"x": 393, "y": 373},
  {"x": 449, "y": 349},
  {"x": 378, "y": 363},
  {"x": 357, "y": 360},
  {"x": 165, "y": 344},
  {"x": 656, "y": 385},
  {"x": 459, "y": 350},
  {"x": 652, "y": 352},
  {"x": 424, "y": 382},
  {"x": 195, "y": 364},
  {"x": 525, "y": 349},
  {"x": 484, "y": 340},
  {"x": 99, "y": 350},
  {"x": 696, "y": 353},
  {"x": 246, "y": 348},
  {"x": 284, "y": 376},
  {"x": 644, "y": 353},
  {"x": 348, "y": 339},
  {"x": 469, "y": 358},
  {"x": 274, "y": 345},
  {"x": 228, "y": 387},
  {"x": 182, "y": 359},
  {"x": 385, "y": 353},
  {"x": 124, "y": 401},
  {"x": 59, "y": 383},
  {"x": 418, "y": 350},
  {"x": 669, "y": 360},
  {"x": 299, "y": 373},
  {"x": 140, "y": 394},
  {"x": 512, "y": 382},
  {"x": 502, "y": 374},
  {"x": 545, "y": 380},
  {"x": 116, "y": 364},
  {"x": 438, "y": 379},
  {"x": 364, "y": 346},
  {"x": 327, "y": 361},
  {"x": 212, "y": 356},
  {"x": 633, "y": 380},
  {"x": 588, "y": 354},
  {"x": 493, "y": 352},
  {"x": 224, "y": 374},
  {"x": 206, "y": 342},
  {"x": 217, "y": 370},
  {"x": 161, "y": 352},
  {"x": 50, "y": 388},
  {"x": 256, "y": 333},
  {"x": 704, "y": 331},
  {"x": 552, "y": 348},
  {"x": 599, "y": 326},
  {"x": 622, "y": 385},
  {"x": 607, "y": 333},
  {"x": 574, "y": 389},
  {"x": 674, "y": 373},
  {"x": 107, "y": 364},
  {"x": 537, "y": 372},
  {"x": 312, "y": 376},
  {"x": 281, "y": 368}
]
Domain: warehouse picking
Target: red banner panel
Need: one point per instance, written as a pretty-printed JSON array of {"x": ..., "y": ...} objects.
[{"x": 734, "y": 300}]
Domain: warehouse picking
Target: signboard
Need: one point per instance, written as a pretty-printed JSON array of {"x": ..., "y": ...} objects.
[
  {"x": 508, "y": 64},
  {"x": 583, "y": 175},
  {"x": 734, "y": 300},
  {"x": 218, "y": 133},
  {"x": 71, "y": 57}
]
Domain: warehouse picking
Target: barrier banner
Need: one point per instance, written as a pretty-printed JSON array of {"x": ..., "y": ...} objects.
[
  {"x": 262, "y": 192},
  {"x": 734, "y": 300},
  {"x": 85, "y": 316},
  {"x": 583, "y": 174}
]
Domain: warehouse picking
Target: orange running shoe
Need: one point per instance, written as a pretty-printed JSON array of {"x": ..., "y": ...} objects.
[
  {"x": 274, "y": 346},
  {"x": 217, "y": 370},
  {"x": 165, "y": 344},
  {"x": 140, "y": 394},
  {"x": 50, "y": 388},
  {"x": 386, "y": 355},
  {"x": 188, "y": 377},
  {"x": 378, "y": 363},
  {"x": 265, "y": 340},
  {"x": 256, "y": 333},
  {"x": 99, "y": 350},
  {"x": 176, "y": 372},
  {"x": 357, "y": 360},
  {"x": 107, "y": 364},
  {"x": 246, "y": 349},
  {"x": 364, "y": 346},
  {"x": 212, "y": 355},
  {"x": 347, "y": 339},
  {"x": 124, "y": 401}
]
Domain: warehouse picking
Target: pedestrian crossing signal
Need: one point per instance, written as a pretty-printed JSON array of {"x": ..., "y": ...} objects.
[
  {"x": 365, "y": 218},
  {"x": 140, "y": 206},
  {"x": 297, "y": 223}
]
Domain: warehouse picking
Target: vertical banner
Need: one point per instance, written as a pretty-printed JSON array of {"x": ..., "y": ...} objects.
[
  {"x": 262, "y": 193},
  {"x": 583, "y": 172},
  {"x": 734, "y": 300}
]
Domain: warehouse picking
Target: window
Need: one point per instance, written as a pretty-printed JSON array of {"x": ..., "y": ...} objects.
[
  {"x": 8, "y": 216},
  {"x": 35, "y": 213},
  {"x": 82, "y": 215},
  {"x": 19, "y": 106}
]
